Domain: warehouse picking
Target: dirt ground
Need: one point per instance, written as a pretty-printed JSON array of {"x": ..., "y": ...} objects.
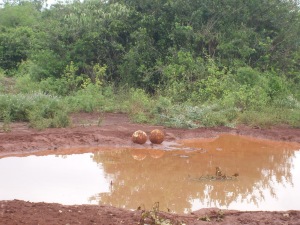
[{"x": 115, "y": 130}]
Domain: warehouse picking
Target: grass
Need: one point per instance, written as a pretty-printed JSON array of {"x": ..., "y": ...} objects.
[
  {"x": 39, "y": 109},
  {"x": 43, "y": 110},
  {"x": 189, "y": 116},
  {"x": 271, "y": 116}
]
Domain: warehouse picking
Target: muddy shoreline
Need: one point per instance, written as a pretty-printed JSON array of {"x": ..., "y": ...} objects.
[{"x": 115, "y": 131}]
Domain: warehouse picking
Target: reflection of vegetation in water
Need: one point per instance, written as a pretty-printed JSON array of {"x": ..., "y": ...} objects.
[{"x": 168, "y": 179}]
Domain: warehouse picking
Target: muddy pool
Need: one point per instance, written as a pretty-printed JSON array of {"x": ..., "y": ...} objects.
[{"x": 228, "y": 172}]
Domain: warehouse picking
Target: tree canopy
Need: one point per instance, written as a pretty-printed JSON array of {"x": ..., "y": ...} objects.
[{"x": 153, "y": 44}]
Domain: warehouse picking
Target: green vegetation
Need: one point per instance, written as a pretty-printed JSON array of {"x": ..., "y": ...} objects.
[
  {"x": 38, "y": 109},
  {"x": 178, "y": 63},
  {"x": 153, "y": 217}
]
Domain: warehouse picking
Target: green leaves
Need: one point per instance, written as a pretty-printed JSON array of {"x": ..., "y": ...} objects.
[
  {"x": 15, "y": 45},
  {"x": 24, "y": 14},
  {"x": 241, "y": 54},
  {"x": 38, "y": 109}
]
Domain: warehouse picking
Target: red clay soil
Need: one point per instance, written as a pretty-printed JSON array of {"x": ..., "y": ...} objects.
[{"x": 115, "y": 130}]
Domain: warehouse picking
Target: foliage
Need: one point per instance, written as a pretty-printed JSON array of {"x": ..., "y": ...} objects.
[
  {"x": 89, "y": 99},
  {"x": 180, "y": 63},
  {"x": 138, "y": 105},
  {"x": 14, "y": 46},
  {"x": 24, "y": 14},
  {"x": 154, "y": 217},
  {"x": 271, "y": 116},
  {"x": 48, "y": 113},
  {"x": 187, "y": 116},
  {"x": 38, "y": 109},
  {"x": 246, "y": 97},
  {"x": 182, "y": 74}
]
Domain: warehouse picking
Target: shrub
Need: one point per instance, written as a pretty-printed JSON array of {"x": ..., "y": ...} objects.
[
  {"x": 246, "y": 98},
  {"x": 15, "y": 106},
  {"x": 139, "y": 105},
  {"x": 247, "y": 76},
  {"x": 39, "y": 109},
  {"x": 25, "y": 84},
  {"x": 87, "y": 100},
  {"x": 289, "y": 102},
  {"x": 270, "y": 116},
  {"x": 276, "y": 86},
  {"x": 188, "y": 116}
]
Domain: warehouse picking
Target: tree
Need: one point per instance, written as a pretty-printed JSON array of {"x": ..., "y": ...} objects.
[{"x": 15, "y": 45}]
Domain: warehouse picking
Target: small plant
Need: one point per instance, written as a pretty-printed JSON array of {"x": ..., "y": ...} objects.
[
  {"x": 205, "y": 218},
  {"x": 218, "y": 176},
  {"x": 100, "y": 119},
  {"x": 6, "y": 121},
  {"x": 217, "y": 216},
  {"x": 152, "y": 217}
]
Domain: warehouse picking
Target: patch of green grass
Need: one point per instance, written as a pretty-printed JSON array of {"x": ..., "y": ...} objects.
[
  {"x": 49, "y": 113},
  {"x": 161, "y": 110},
  {"x": 138, "y": 105},
  {"x": 189, "y": 116},
  {"x": 86, "y": 100},
  {"x": 44, "y": 110},
  {"x": 271, "y": 116},
  {"x": 25, "y": 84},
  {"x": 283, "y": 110},
  {"x": 39, "y": 109},
  {"x": 97, "y": 99}
]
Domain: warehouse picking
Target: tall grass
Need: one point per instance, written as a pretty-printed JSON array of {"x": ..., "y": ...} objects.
[
  {"x": 39, "y": 109},
  {"x": 271, "y": 116},
  {"x": 44, "y": 110},
  {"x": 162, "y": 110}
]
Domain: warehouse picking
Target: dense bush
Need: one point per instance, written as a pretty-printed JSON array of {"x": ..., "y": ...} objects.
[
  {"x": 179, "y": 63},
  {"x": 38, "y": 109}
]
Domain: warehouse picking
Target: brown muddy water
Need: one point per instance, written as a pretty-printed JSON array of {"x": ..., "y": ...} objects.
[{"x": 181, "y": 180}]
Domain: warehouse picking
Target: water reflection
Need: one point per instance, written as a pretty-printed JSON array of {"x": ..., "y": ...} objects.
[
  {"x": 129, "y": 178},
  {"x": 66, "y": 179},
  {"x": 265, "y": 169}
]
